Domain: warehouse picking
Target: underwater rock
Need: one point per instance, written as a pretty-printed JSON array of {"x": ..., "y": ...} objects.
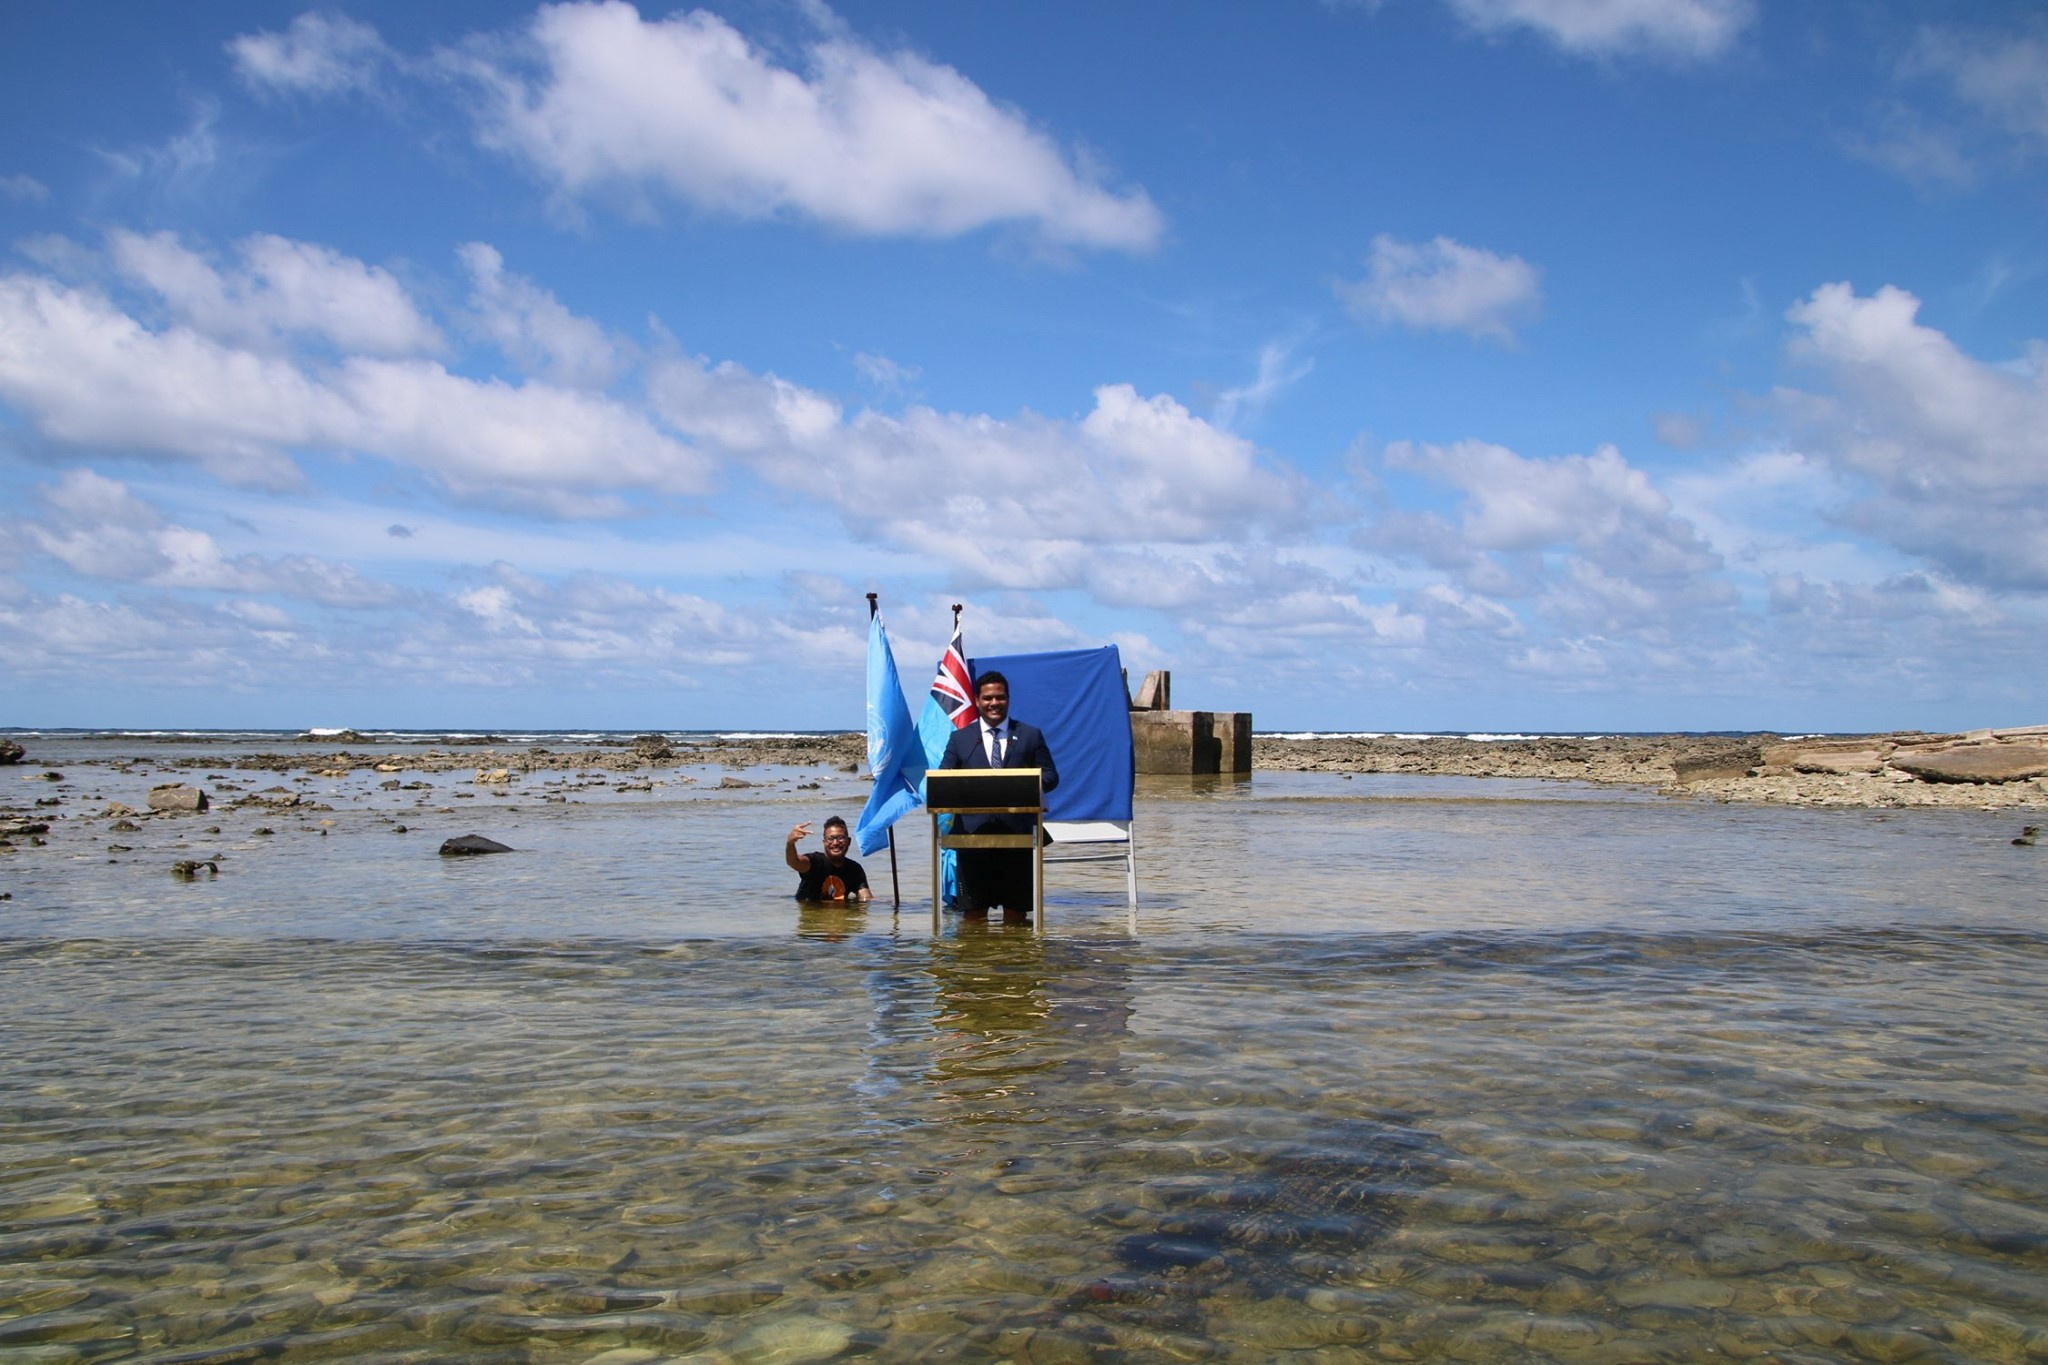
[{"x": 1343, "y": 1189}]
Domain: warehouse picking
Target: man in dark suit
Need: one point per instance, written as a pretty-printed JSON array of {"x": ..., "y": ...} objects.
[{"x": 997, "y": 876}]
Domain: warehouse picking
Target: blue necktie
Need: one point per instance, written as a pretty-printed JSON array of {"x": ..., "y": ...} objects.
[{"x": 996, "y": 743}]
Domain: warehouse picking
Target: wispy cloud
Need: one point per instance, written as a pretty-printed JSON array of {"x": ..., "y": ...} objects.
[
  {"x": 316, "y": 54},
  {"x": 199, "y": 164},
  {"x": 1975, "y": 101},
  {"x": 1444, "y": 285},
  {"x": 884, "y": 375},
  {"x": 24, "y": 189},
  {"x": 2003, "y": 76},
  {"x": 1683, "y": 29},
  {"x": 1279, "y": 371},
  {"x": 97, "y": 528}
]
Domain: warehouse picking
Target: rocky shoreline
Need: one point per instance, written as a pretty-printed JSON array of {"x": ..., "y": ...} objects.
[
  {"x": 1985, "y": 768},
  {"x": 1980, "y": 769}
]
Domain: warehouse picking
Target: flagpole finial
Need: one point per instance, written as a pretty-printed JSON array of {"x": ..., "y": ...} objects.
[
  {"x": 956, "y": 615},
  {"x": 873, "y": 604}
]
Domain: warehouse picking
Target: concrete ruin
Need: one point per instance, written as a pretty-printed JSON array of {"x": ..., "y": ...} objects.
[{"x": 1186, "y": 743}]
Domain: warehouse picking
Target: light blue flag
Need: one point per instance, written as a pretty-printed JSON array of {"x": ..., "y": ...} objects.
[
  {"x": 895, "y": 751},
  {"x": 951, "y": 694},
  {"x": 934, "y": 728}
]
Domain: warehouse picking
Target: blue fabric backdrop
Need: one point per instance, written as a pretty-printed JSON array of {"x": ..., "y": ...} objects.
[{"x": 1077, "y": 697}]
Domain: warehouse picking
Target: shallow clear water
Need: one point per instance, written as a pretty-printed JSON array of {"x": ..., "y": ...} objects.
[{"x": 1392, "y": 1069}]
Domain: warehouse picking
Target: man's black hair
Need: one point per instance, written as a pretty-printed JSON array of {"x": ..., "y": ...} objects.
[
  {"x": 991, "y": 676},
  {"x": 834, "y": 820}
]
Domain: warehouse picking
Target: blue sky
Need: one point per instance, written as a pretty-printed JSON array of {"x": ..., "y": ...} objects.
[{"x": 1409, "y": 364}]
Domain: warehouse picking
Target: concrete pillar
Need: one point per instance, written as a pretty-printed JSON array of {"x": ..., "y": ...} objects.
[
  {"x": 1234, "y": 739},
  {"x": 1182, "y": 742}
]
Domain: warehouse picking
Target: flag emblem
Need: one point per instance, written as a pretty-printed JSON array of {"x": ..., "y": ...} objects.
[{"x": 952, "y": 689}]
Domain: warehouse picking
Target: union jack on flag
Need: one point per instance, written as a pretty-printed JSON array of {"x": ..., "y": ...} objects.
[
  {"x": 952, "y": 689},
  {"x": 950, "y": 707}
]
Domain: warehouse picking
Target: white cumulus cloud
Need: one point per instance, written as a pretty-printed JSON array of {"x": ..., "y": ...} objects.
[
  {"x": 866, "y": 141},
  {"x": 1025, "y": 502},
  {"x": 1444, "y": 285},
  {"x": 533, "y": 328},
  {"x": 1588, "y": 538},
  {"x": 1955, "y": 450},
  {"x": 281, "y": 287},
  {"x": 87, "y": 373}
]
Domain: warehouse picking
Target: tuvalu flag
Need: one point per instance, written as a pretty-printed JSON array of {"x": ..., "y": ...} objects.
[
  {"x": 950, "y": 706},
  {"x": 895, "y": 752}
]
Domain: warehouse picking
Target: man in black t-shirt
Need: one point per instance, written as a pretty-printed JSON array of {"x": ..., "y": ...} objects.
[{"x": 827, "y": 876}]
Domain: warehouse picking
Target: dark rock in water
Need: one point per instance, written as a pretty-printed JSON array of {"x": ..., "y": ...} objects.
[
  {"x": 653, "y": 747},
  {"x": 10, "y": 752},
  {"x": 176, "y": 796},
  {"x": 332, "y": 737},
  {"x": 1340, "y": 1191},
  {"x": 1166, "y": 1253},
  {"x": 471, "y": 843}
]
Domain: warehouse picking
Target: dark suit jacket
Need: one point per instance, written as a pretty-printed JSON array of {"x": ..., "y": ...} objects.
[{"x": 1027, "y": 749}]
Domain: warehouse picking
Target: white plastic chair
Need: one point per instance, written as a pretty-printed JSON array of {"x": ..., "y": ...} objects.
[{"x": 1097, "y": 841}]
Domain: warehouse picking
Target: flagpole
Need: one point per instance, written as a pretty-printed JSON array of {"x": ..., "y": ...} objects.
[{"x": 895, "y": 886}]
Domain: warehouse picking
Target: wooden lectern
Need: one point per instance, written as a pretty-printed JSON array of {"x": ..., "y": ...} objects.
[{"x": 989, "y": 791}]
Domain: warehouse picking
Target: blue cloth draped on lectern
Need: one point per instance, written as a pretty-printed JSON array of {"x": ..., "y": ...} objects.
[{"x": 1077, "y": 697}]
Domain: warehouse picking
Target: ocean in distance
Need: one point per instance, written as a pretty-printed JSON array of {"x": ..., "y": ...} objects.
[{"x": 1392, "y": 1067}]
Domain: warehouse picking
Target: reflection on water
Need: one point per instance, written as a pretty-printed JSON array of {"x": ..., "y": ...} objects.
[
  {"x": 1023, "y": 1027},
  {"x": 1654, "y": 1103}
]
